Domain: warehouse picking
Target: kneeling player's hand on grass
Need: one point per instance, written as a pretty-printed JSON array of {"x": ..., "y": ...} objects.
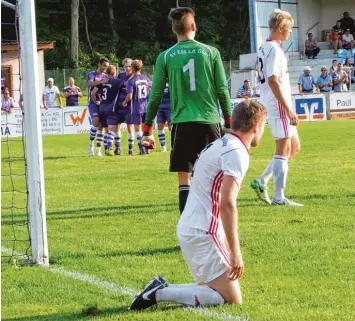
[{"x": 237, "y": 267}]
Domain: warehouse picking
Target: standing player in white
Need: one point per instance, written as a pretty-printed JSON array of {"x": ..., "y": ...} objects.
[
  {"x": 275, "y": 95},
  {"x": 208, "y": 227}
]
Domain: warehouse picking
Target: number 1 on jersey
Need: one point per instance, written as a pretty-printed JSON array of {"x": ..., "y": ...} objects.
[{"x": 190, "y": 66}]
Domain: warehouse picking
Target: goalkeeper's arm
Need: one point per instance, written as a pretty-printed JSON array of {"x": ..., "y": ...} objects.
[
  {"x": 159, "y": 81},
  {"x": 222, "y": 90}
]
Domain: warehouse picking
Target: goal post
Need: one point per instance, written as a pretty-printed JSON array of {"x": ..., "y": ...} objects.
[{"x": 33, "y": 134}]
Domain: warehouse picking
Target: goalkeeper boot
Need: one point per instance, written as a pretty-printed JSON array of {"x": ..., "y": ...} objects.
[
  {"x": 260, "y": 190},
  {"x": 286, "y": 202},
  {"x": 146, "y": 298}
]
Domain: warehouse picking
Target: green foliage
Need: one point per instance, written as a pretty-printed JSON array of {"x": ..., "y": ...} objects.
[{"x": 142, "y": 27}]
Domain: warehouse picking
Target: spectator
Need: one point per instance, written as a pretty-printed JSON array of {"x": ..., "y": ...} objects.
[
  {"x": 336, "y": 37},
  {"x": 349, "y": 70},
  {"x": 306, "y": 81},
  {"x": 312, "y": 49},
  {"x": 340, "y": 79},
  {"x": 50, "y": 93},
  {"x": 324, "y": 81},
  {"x": 333, "y": 67},
  {"x": 7, "y": 102},
  {"x": 348, "y": 40},
  {"x": 245, "y": 90},
  {"x": 72, "y": 93},
  {"x": 347, "y": 22}
]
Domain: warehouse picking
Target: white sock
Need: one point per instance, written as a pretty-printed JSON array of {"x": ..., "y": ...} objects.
[
  {"x": 264, "y": 178},
  {"x": 192, "y": 295},
  {"x": 280, "y": 169}
]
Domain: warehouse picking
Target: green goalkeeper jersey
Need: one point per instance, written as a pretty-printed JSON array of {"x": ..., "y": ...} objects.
[{"x": 196, "y": 80}]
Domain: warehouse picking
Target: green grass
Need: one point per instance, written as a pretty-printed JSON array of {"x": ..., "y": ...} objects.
[{"x": 115, "y": 219}]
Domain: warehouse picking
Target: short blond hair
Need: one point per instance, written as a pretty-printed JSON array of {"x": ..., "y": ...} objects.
[
  {"x": 137, "y": 64},
  {"x": 279, "y": 18},
  {"x": 126, "y": 60}
]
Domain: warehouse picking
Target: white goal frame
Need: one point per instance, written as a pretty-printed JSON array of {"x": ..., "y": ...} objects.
[{"x": 33, "y": 133}]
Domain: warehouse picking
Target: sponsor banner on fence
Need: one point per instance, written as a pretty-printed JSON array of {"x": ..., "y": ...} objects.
[
  {"x": 76, "y": 120},
  {"x": 11, "y": 124},
  {"x": 52, "y": 121},
  {"x": 344, "y": 101},
  {"x": 310, "y": 107},
  {"x": 236, "y": 101}
]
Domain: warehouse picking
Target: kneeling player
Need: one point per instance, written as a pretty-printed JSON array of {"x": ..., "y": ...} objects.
[
  {"x": 109, "y": 95},
  {"x": 208, "y": 227},
  {"x": 164, "y": 116}
]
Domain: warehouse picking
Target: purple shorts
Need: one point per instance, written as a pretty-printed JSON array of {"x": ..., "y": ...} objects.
[
  {"x": 124, "y": 116},
  {"x": 138, "y": 119},
  {"x": 108, "y": 118},
  {"x": 164, "y": 116},
  {"x": 93, "y": 110}
]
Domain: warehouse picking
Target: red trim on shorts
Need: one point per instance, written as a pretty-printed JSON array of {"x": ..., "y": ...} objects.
[
  {"x": 284, "y": 119},
  {"x": 216, "y": 187}
]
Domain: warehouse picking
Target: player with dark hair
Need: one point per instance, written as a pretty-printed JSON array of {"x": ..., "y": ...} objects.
[
  {"x": 109, "y": 93},
  {"x": 138, "y": 87},
  {"x": 197, "y": 82},
  {"x": 96, "y": 78},
  {"x": 208, "y": 227}
]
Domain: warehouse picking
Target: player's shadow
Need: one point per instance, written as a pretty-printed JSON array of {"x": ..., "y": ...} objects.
[
  {"x": 101, "y": 313},
  {"x": 91, "y": 212},
  {"x": 144, "y": 252}
]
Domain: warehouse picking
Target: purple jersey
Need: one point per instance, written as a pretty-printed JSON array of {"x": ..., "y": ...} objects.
[
  {"x": 165, "y": 100},
  {"x": 139, "y": 85},
  {"x": 95, "y": 76},
  {"x": 109, "y": 94},
  {"x": 73, "y": 99},
  {"x": 123, "y": 91}
]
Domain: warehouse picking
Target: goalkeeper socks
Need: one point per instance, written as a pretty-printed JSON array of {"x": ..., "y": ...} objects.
[
  {"x": 105, "y": 140},
  {"x": 183, "y": 194},
  {"x": 161, "y": 135},
  {"x": 99, "y": 139},
  {"x": 93, "y": 131},
  {"x": 264, "y": 178},
  {"x": 130, "y": 142},
  {"x": 139, "y": 139},
  {"x": 195, "y": 295},
  {"x": 280, "y": 169},
  {"x": 118, "y": 140},
  {"x": 110, "y": 138}
]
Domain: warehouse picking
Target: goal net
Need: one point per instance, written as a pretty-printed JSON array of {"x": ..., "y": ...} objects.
[{"x": 23, "y": 216}]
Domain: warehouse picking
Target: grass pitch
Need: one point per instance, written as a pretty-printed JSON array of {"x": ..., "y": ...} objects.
[{"x": 114, "y": 218}]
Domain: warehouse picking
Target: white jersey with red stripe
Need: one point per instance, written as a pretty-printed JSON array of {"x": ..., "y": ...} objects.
[
  {"x": 226, "y": 156},
  {"x": 272, "y": 61}
]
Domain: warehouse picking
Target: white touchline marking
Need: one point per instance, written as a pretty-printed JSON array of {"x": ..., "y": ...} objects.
[{"x": 115, "y": 288}]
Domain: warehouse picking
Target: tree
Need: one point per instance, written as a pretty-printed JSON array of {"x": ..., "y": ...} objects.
[
  {"x": 86, "y": 26},
  {"x": 112, "y": 20},
  {"x": 74, "y": 45}
]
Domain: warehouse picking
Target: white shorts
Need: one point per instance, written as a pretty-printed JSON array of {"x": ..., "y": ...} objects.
[
  {"x": 205, "y": 254},
  {"x": 280, "y": 127}
]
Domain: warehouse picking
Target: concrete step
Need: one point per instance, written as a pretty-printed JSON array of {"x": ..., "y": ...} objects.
[
  {"x": 323, "y": 45},
  {"x": 312, "y": 62},
  {"x": 322, "y": 54}
]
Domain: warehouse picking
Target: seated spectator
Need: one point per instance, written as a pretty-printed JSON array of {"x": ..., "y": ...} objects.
[
  {"x": 348, "y": 40},
  {"x": 245, "y": 90},
  {"x": 349, "y": 68},
  {"x": 324, "y": 81},
  {"x": 347, "y": 22},
  {"x": 312, "y": 49},
  {"x": 50, "y": 93},
  {"x": 340, "y": 79},
  {"x": 336, "y": 37},
  {"x": 72, "y": 93},
  {"x": 306, "y": 81},
  {"x": 7, "y": 102}
]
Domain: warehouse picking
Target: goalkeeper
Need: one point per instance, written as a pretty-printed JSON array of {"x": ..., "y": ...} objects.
[{"x": 197, "y": 82}]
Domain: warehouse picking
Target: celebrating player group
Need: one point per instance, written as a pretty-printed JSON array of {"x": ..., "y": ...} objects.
[
  {"x": 122, "y": 98},
  {"x": 218, "y": 158}
]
